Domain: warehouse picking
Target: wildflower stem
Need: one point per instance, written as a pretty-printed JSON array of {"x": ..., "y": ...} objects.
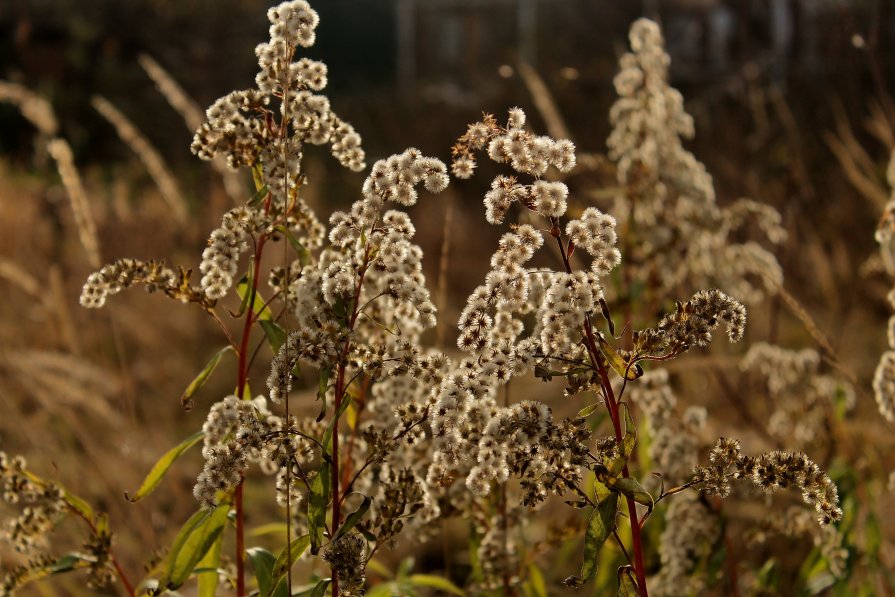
[
  {"x": 612, "y": 405},
  {"x": 128, "y": 587},
  {"x": 636, "y": 541},
  {"x": 242, "y": 377}
]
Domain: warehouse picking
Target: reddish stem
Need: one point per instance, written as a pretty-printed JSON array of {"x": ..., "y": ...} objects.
[
  {"x": 242, "y": 377},
  {"x": 334, "y": 467},
  {"x": 599, "y": 363},
  {"x": 118, "y": 569}
]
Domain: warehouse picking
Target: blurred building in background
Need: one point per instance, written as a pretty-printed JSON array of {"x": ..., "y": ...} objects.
[{"x": 456, "y": 54}]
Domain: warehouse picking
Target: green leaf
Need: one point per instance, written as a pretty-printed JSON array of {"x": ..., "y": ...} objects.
[
  {"x": 431, "y": 581},
  {"x": 536, "y": 585},
  {"x": 354, "y": 517},
  {"x": 767, "y": 577},
  {"x": 262, "y": 563},
  {"x": 588, "y": 410},
  {"x": 208, "y": 580},
  {"x": 386, "y": 589},
  {"x": 630, "y": 438},
  {"x": 320, "y": 589},
  {"x": 192, "y": 543},
  {"x": 322, "y": 385},
  {"x": 287, "y": 558},
  {"x": 186, "y": 399},
  {"x": 258, "y": 174},
  {"x": 272, "y": 528},
  {"x": 351, "y": 416},
  {"x": 67, "y": 563},
  {"x": 244, "y": 282},
  {"x": 276, "y": 336},
  {"x": 633, "y": 489},
  {"x": 599, "y": 527},
  {"x": 78, "y": 505},
  {"x": 164, "y": 463},
  {"x": 261, "y": 309},
  {"x": 304, "y": 256},
  {"x": 328, "y": 433},
  {"x": 259, "y": 195},
  {"x": 617, "y": 363},
  {"x": 317, "y": 503},
  {"x": 627, "y": 586}
]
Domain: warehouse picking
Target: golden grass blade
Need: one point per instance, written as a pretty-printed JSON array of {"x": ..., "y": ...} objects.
[
  {"x": 147, "y": 154},
  {"x": 544, "y": 102},
  {"x": 34, "y": 108},
  {"x": 65, "y": 161},
  {"x": 193, "y": 116}
]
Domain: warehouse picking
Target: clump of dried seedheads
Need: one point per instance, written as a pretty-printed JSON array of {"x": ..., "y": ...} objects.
[{"x": 408, "y": 435}]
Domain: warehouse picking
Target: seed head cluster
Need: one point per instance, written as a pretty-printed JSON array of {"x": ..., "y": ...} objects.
[
  {"x": 237, "y": 125},
  {"x": 803, "y": 396},
  {"x": 770, "y": 472},
  {"x": 679, "y": 233},
  {"x": 124, "y": 273},
  {"x": 692, "y": 323},
  {"x": 528, "y": 154},
  {"x": 884, "y": 376}
]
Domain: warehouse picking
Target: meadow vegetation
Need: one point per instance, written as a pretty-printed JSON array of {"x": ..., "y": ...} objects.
[{"x": 581, "y": 429}]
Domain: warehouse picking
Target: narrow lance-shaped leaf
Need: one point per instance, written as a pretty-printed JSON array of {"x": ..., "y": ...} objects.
[
  {"x": 79, "y": 505},
  {"x": 352, "y": 519},
  {"x": 186, "y": 399},
  {"x": 258, "y": 175},
  {"x": 604, "y": 309},
  {"x": 271, "y": 528},
  {"x": 259, "y": 195},
  {"x": 322, "y": 385},
  {"x": 317, "y": 503},
  {"x": 66, "y": 563},
  {"x": 618, "y": 364},
  {"x": 258, "y": 305},
  {"x": 244, "y": 282},
  {"x": 430, "y": 581},
  {"x": 276, "y": 335},
  {"x": 615, "y": 466},
  {"x": 208, "y": 581},
  {"x": 287, "y": 558},
  {"x": 537, "y": 586},
  {"x": 630, "y": 438},
  {"x": 599, "y": 527},
  {"x": 192, "y": 543},
  {"x": 304, "y": 256},
  {"x": 162, "y": 466},
  {"x": 588, "y": 410},
  {"x": 328, "y": 433}
]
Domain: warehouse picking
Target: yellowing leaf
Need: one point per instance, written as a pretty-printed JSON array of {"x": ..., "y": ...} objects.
[
  {"x": 164, "y": 463},
  {"x": 186, "y": 398}
]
